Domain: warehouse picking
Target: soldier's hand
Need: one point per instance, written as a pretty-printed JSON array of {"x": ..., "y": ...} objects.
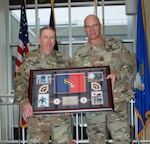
[
  {"x": 113, "y": 79},
  {"x": 27, "y": 110}
]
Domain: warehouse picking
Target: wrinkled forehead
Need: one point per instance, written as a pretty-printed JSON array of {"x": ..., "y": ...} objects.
[
  {"x": 48, "y": 32},
  {"x": 91, "y": 20}
]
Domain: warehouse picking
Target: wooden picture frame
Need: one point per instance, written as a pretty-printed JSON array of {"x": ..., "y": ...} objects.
[{"x": 70, "y": 90}]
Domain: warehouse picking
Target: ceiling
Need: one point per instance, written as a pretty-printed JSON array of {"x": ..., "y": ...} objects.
[{"x": 17, "y": 2}]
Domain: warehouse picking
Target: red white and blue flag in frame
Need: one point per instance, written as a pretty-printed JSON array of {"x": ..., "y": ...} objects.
[{"x": 70, "y": 83}]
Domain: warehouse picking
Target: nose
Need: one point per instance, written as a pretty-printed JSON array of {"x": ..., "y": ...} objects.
[{"x": 49, "y": 39}]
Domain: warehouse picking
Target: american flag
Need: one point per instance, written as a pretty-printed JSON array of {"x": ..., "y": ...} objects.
[
  {"x": 23, "y": 38},
  {"x": 23, "y": 45}
]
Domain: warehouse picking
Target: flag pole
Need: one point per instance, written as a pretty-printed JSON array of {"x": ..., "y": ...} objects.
[
  {"x": 25, "y": 2},
  {"x": 19, "y": 136},
  {"x": 52, "y": 22},
  {"x": 22, "y": 49},
  {"x": 95, "y": 7},
  {"x": 143, "y": 15},
  {"x": 52, "y": 3}
]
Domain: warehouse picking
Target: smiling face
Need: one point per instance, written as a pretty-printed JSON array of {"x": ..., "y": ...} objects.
[
  {"x": 46, "y": 40},
  {"x": 92, "y": 27}
]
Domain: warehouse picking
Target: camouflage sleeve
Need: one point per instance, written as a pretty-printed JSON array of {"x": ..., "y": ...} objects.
[
  {"x": 79, "y": 56},
  {"x": 77, "y": 60},
  {"x": 58, "y": 58},
  {"x": 21, "y": 87},
  {"x": 127, "y": 68},
  {"x": 71, "y": 63}
]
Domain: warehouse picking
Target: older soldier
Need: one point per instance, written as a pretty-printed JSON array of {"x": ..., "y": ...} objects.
[
  {"x": 108, "y": 52},
  {"x": 41, "y": 126}
]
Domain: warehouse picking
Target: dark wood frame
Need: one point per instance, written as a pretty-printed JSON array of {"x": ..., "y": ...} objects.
[{"x": 70, "y": 90}]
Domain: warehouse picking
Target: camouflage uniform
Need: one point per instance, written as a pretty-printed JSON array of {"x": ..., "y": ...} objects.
[
  {"x": 40, "y": 127},
  {"x": 110, "y": 52}
]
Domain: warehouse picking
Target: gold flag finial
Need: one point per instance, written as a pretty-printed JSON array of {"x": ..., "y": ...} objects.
[{"x": 52, "y": 1}]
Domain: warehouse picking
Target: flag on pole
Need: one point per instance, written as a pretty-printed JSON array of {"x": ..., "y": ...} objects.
[
  {"x": 52, "y": 22},
  {"x": 23, "y": 42},
  {"x": 142, "y": 82},
  {"x": 23, "y": 45},
  {"x": 24, "y": 121}
]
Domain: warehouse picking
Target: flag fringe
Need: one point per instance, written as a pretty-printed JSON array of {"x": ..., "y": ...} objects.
[{"x": 147, "y": 115}]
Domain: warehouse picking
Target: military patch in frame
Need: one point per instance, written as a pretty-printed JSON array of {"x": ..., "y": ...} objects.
[
  {"x": 70, "y": 90},
  {"x": 43, "y": 79}
]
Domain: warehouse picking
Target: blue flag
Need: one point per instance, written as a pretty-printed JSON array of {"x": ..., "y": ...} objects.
[
  {"x": 142, "y": 83},
  {"x": 52, "y": 24}
]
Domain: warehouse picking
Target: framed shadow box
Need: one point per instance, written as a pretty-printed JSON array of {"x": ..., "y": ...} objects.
[{"x": 70, "y": 90}]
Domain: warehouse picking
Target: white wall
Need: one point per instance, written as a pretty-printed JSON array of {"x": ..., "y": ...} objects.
[{"x": 3, "y": 47}]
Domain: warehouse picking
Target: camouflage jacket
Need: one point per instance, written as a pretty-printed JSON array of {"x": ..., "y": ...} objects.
[
  {"x": 111, "y": 52},
  {"x": 32, "y": 61}
]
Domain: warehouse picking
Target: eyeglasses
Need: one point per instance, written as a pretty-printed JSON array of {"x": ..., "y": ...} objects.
[{"x": 92, "y": 26}]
